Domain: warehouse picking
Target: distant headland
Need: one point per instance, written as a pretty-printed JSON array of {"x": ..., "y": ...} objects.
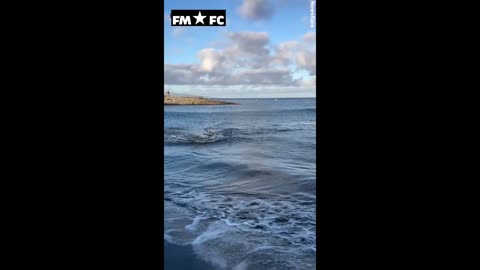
[{"x": 174, "y": 100}]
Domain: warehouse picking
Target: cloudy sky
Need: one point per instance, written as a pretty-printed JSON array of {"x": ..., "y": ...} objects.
[{"x": 267, "y": 49}]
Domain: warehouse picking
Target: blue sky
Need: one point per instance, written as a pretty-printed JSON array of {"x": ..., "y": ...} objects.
[{"x": 267, "y": 49}]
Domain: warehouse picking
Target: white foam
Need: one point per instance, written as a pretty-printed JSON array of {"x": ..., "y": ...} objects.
[
  {"x": 237, "y": 232},
  {"x": 194, "y": 225},
  {"x": 212, "y": 255},
  {"x": 215, "y": 230},
  {"x": 241, "y": 266}
]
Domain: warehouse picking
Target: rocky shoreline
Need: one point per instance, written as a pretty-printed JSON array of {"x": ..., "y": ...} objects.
[{"x": 171, "y": 100}]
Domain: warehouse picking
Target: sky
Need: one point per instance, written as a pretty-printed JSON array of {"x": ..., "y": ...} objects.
[{"x": 266, "y": 50}]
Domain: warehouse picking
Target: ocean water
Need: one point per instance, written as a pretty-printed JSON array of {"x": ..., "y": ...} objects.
[{"x": 240, "y": 183}]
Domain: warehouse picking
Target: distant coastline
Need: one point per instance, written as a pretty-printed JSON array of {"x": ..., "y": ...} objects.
[{"x": 173, "y": 100}]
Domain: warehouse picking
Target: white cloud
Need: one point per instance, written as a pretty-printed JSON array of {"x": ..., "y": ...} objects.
[
  {"x": 308, "y": 82},
  {"x": 246, "y": 59},
  {"x": 241, "y": 91},
  {"x": 310, "y": 38},
  {"x": 256, "y": 9},
  {"x": 307, "y": 57},
  {"x": 285, "y": 51},
  {"x": 210, "y": 59}
]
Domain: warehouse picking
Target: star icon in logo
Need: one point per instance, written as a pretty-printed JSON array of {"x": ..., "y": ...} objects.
[{"x": 199, "y": 18}]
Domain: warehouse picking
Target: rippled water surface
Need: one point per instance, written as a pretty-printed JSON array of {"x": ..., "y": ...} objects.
[{"x": 240, "y": 182}]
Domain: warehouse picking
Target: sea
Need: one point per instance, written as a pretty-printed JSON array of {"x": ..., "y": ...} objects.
[{"x": 240, "y": 185}]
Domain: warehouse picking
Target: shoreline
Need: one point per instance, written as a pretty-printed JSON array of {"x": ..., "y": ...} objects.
[{"x": 178, "y": 101}]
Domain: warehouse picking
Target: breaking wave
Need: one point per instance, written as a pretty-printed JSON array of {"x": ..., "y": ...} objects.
[
  {"x": 214, "y": 135},
  {"x": 234, "y": 230}
]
